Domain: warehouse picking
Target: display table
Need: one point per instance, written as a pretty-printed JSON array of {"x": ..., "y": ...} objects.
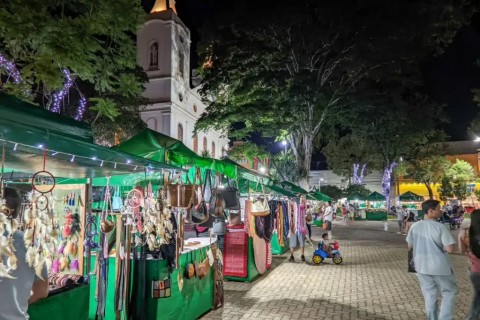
[
  {"x": 194, "y": 300},
  {"x": 376, "y": 215},
  {"x": 71, "y": 304},
  {"x": 277, "y": 249}
]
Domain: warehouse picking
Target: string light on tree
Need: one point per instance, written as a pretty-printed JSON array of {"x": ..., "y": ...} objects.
[
  {"x": 60, "y": 95},
  {"x": 11, "y": 69},
  {"x": 387, "y": 180},
  {"x": 358, "y": 177},
  {"x": 82, "y": 107}
]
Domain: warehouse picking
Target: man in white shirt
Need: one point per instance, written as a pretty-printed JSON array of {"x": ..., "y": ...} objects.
[
  {"x": 430, "y": 241},
  {"x": 328, "y": 217}
]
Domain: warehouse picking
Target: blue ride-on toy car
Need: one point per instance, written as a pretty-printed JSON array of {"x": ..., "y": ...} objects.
[{"x": 319, "y": 254}]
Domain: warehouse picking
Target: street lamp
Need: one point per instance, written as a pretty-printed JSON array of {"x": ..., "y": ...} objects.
[
  {"x": 262, "y": 169},
  {"x": 477, "y": 139},
  {"x": 284, "y": 142},
  {"x": 320, "y": 185}
]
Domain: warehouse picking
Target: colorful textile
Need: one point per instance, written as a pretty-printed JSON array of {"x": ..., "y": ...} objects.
[
  {"x": 235, "y": 254},
  {"x": 269, "y": 255},
  {"x": 280, "y": 225},
  {"x": 260, "y": 253}
]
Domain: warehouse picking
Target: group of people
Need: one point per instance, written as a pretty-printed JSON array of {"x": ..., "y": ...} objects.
[
  {"x": 431, "y": 242},
  {"x": 405, "y": 218}
]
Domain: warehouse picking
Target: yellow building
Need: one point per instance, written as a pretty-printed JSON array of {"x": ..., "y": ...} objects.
[{"x": 461, "y": 150}]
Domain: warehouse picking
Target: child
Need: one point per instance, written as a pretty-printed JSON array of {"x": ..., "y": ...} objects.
[{"x": 323, "y": 244}]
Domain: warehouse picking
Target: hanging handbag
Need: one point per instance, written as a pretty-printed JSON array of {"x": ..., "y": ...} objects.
[
  {"x": 259, "y": 206},
  {"x": 231, "y": 197},
  {"x": 411, "y": 263},
  {"x": 199, "y": 212},
  {"x": 180, "y": 195},
  {"x": 324, "y": 226}
]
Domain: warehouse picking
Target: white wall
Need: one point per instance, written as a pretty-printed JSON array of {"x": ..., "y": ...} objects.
[{"x": 172, "y": 98}]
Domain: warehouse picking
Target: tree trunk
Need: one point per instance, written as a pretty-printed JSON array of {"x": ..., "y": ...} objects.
[
  {"x": 430, "y": 192},
  {"x": 302, "y": 146}
]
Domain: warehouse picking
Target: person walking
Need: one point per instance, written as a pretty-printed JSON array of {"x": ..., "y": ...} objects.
[
  {"x": 344, "y": 214},
  {"x": 328, "y": 217},
  {"x": 400, "y": 218},
  {"x": 468, "y": 242},
  {"x": 431, "y": 241}
]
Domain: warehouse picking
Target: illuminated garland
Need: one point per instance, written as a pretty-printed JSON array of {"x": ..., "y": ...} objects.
[
  {"x": 82, "y": 107},
  {"x": 72, "y": 157},
  {"x": 60, "y": 95},
  {"x": 358, "y": 178},
  {"x": 386, "y": 182},
  {"x": 11, "y": 69}
]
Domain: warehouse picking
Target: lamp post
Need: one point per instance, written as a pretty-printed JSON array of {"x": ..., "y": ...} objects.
[
  {"x": 320, "y": 184},
  {"x": 284, "y": 142}
]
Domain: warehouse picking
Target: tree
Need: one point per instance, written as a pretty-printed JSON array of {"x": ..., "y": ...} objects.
[
  {"x": 285, "y": 67},
  {"x": 446, "y": 189},
  {"x": 279, "y": 74},
  {"x": 285, "y": 168},
  {"x": 90, "y": 42},
  {"x": 461, "y": 171},
  {"x": 249, "y": 151},
  {"x": 429, "y": 171},
  {"x": 454, "y": 182},
  {"x": 357, "y": 189},
  {"x": 333, "y": 192},
  {"x": 343, "y": 152}
]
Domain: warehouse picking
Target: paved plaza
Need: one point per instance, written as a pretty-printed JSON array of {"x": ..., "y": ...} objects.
[{"x": 372, "y": 283}]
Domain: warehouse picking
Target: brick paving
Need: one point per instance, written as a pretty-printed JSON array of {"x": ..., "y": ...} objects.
[{"x": 372, "y": 283}]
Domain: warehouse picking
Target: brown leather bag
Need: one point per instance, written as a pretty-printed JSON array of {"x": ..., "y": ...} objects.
[
  {"x": 182, "y": 195},
  {"x": 202, "y": 268}
]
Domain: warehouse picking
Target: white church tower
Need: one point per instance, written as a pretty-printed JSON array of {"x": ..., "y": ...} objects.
[{"x": 163, "y": 48}]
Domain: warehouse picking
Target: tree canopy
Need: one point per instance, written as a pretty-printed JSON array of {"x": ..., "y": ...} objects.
[
  {"x": 288, "y": 67},
  {"x": 93, "y": 40}
]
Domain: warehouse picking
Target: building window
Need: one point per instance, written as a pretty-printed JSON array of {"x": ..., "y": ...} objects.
[
  {"x": 181, "y": 63},
  {"x": 213, "y": 150},
  {"x": 153, "y": 63},
  {"x": 180, "y": 132},
  {"x": 195, "y": 108},
  {"x": 205, "y": 144},
  {"x": 195, "y": 144}
]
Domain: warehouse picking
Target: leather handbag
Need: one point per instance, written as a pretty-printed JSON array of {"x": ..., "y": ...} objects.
[
  {"x": 259, "y": 206},
  {"x": 231, "y": 196},
  {"x": 180, "y": 195},
  {"x": 190, "y": 268},
  {"x": 202, "y": 268},
  {"x": 199, "y": 212}
]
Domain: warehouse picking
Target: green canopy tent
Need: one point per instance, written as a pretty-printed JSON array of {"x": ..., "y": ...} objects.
[
  {"x": 318, "y": 196},
  {"x": 153, "y": 145},
  {"x": 293, "y": 188},
  {"x": 375, "y": 196},
  {"x": 248, "y": 174},
  {"x": 31, "y": 134},
  {"x": 356, "y": 197},
  {"x": 410, "y": 196}
]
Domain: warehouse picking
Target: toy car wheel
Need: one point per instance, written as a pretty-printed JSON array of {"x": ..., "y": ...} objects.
[
  {"x": 337, "y": 259},
  {"x": 317, "y": 259}
]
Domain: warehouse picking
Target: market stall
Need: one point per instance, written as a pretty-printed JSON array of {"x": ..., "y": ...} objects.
[
  {"x": 413, "y": 202},
  {"x": 359, "y": 203},
  {"x": 49, "y": 159},
  {"x": 376, "y": 207}
]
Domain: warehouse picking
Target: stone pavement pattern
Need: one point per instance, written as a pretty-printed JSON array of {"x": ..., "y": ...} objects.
[{"x": 372, "y": 283}]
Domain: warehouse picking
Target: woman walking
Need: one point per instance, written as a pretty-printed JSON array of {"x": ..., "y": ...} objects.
[{"x": 469, "y": 242}]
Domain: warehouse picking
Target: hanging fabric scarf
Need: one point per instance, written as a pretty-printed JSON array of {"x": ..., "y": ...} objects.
[
  {"x": 281, "y": 238},
  {"x": 302, "y": 210},
  {"x": 293, "y": 217},
  {"x": 286, "y": 221}
]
